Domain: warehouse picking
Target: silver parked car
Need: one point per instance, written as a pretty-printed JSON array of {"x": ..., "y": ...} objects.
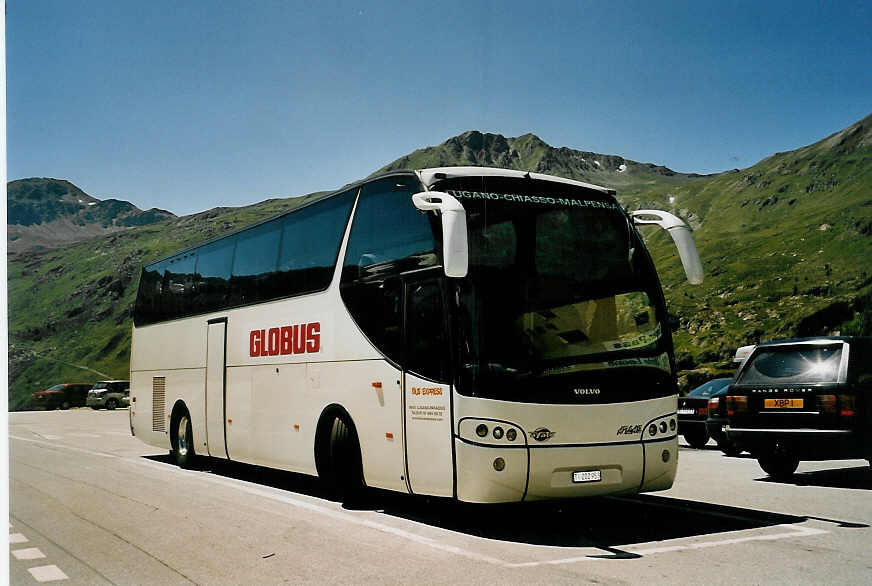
[{"x": 109, "y": 394}]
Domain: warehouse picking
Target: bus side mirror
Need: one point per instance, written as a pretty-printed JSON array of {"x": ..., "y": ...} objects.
[
  {"x": 455, "y": 249},
  {"x": 681, "y": 235}
]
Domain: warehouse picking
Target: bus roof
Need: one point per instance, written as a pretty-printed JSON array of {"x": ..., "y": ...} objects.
[{"x": 431, "y": 176}]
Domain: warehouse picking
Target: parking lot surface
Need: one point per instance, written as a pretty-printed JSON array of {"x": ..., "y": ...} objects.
[{"x": 92, "y": 505}]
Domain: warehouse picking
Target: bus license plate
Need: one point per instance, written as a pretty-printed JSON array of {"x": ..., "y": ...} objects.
[
  {"x": 587, "y": 476},
  {"x": 782, "y": 403}
]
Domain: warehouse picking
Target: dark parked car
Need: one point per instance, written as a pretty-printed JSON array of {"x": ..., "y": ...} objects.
[
  {"x": 803, "y": 399},
  {"x": 62, "y": 396},
  {"x": 109, "y": 394},
  {"x": 693, "y": 411},
  {"x": 717, "y": 422}
]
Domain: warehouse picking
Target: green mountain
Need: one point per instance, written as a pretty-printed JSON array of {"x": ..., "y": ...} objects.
[
  {"x": 786, "y": 246},
  {"x": 530, "y": 153},
  {"x": 46, "y": 213}
]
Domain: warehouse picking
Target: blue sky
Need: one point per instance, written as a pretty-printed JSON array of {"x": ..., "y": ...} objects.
[{"x": 190, "y": 105}]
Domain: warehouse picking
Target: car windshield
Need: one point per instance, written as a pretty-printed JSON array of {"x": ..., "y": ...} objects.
[
  {"x": 810, "y": 364},
  {"x": 559, "y": 294},
  {"x": 101, "y": 385},
  {"x": 56, "y": 388},
  {"x": 710, "y": 388}
]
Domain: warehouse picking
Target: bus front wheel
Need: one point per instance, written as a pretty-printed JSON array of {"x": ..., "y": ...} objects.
[{"x": 342, "y": 469}]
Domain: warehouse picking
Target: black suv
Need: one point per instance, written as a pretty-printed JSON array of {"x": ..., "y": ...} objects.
[{"x": 802, "y": 399}]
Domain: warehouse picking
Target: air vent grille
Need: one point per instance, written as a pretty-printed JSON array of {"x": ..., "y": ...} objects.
[{"x": 158, "y": 405}]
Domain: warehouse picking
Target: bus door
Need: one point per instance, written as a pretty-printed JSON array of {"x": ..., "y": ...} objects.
[
  {"x": 216, "y": 386},
  {"x": 427, "y": 397}
]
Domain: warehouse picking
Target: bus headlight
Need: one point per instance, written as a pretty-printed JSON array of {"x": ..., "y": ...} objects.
[{"x": 481, "y": 430}]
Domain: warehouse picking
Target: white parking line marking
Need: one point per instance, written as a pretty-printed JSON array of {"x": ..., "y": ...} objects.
[
  {"x": 48, "y": 573},
  {"x": 17, "y": 538},
  {"x": 53, "y": 437},
  {"x": 795, "y": 531},
  {"x": 63, "y": 447},
  {"x": 30, "y": 553}
]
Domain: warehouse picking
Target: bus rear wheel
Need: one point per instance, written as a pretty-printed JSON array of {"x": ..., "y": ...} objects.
[
  {"x": 343, "y": 469},
  {"x": 182, "y": 440}
]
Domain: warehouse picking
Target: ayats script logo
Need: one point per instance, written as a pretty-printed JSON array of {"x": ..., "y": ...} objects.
[
  {"x": 541, "y": 434},
  {"x": 629, "y": 430}
]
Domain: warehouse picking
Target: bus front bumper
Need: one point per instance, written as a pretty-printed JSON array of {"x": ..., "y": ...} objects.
[{"x": 495, "y": 474}]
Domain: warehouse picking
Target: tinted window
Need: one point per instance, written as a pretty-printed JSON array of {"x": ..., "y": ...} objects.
[
  {"x": 427, "y": 348},
  {"x": 793, "y": 365},
  {"x": 860, "y": 367},
  {"x": 290, "y": 255},
  {"x": 388, "y": 236},
  {"x": 148, "y": 300},
  {"x": 254, "y": 264},
  {"x": 710, "y": 388},
  {"x": 310, "y": 243},
  {"x": 178, "y": 286},
  {"x": 214, "y": 262},
  {"x": 388, "y": 229}
]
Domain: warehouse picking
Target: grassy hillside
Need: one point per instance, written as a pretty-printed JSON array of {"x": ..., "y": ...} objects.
[{"x": 786, "y": 245}]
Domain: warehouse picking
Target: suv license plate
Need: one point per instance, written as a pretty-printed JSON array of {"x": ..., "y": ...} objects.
[
  {"x": 782, "y": 403},
  {"x": 587, "y": 476}
]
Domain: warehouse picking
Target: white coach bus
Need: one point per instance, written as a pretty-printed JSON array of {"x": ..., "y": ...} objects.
[{"x": 482, "y": 334}]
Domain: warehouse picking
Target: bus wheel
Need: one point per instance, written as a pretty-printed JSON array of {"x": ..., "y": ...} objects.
[
  {"x": 182, "y": 440},
  {"x": 344, "y": 474},
  {"x": 779, "y": 463}
]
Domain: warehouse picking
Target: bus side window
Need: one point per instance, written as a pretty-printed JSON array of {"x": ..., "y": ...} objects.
[
  {"x": 212, "y": 277},
  {"x": 311, "y": 239},
  {"x": 178, "y": 285},
  {"x": 254, "y": 264},
  {"x": 148, "y": 299}
]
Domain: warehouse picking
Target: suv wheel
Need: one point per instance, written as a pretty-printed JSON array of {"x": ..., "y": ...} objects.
[
  {"x": 111, "y": 404},
  {"x": 779, "y": 463},
  {"x": 697, "y": 439}
]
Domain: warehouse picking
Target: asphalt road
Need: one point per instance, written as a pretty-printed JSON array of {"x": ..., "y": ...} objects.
[{"x": 92, "y": 505}]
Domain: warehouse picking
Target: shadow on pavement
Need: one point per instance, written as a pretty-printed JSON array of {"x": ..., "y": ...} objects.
[
  {"x": 857, "y": 477},
  {"x": 605, "y": 522}
]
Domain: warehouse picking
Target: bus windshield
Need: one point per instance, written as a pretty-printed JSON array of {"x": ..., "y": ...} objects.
[{"x": 560, "y": 295}]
